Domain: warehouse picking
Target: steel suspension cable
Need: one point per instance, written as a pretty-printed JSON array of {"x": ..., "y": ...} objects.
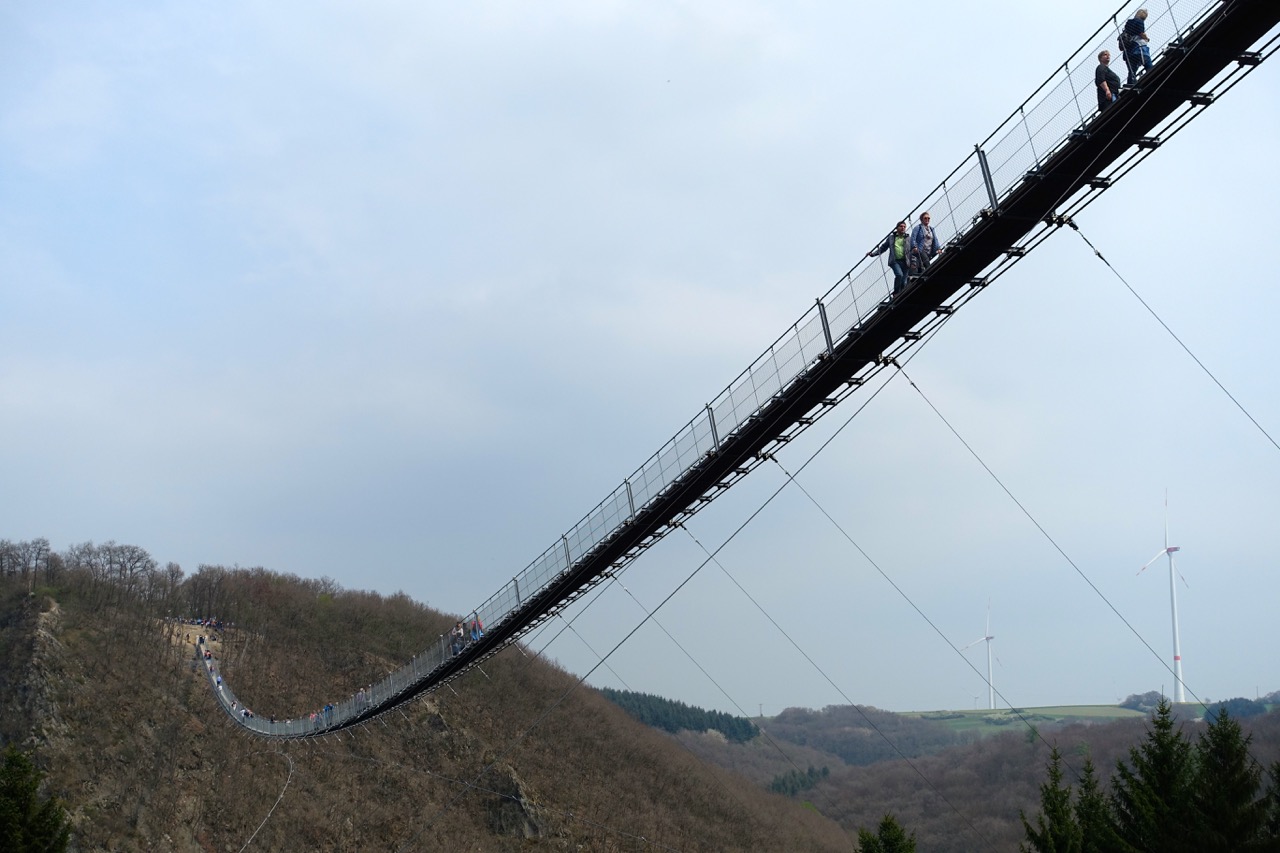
[
  {"x": 272, "y": 810},
  {"x": 834, "y": 808},
  {"x": 768, "y": 737},
  {"x": 1172, "y": 334},
  {"x": 1035, "y": 522},
  {"x": 866, "y": 719}
]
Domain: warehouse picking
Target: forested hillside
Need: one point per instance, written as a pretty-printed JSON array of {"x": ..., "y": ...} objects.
[
  {"x": 672, "y": 716},
  {"x": 98, "y": 687}
]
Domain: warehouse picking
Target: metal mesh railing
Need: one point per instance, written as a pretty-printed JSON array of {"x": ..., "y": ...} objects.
[{"x": 1064, "y": 103}]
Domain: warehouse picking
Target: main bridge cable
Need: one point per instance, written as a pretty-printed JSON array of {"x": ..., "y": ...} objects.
[{"x": 1173, "y": 334}]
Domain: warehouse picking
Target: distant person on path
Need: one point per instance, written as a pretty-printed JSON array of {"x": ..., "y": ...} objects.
[
  {"x": 1134, "y": 45},
  {"x": 457, "y": 638},
  {"x": 897, "y": 244},
  {"x": 924, "y": 244},
  {"x": 477, "y": 630},
  {"x": 1107, "y": 81}
]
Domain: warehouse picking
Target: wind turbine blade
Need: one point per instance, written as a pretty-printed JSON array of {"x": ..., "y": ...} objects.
[
  {"x": 1174, "y": 566},
  {"x": 1163, "y": 551},
  {"x": 974, "y": 643}
]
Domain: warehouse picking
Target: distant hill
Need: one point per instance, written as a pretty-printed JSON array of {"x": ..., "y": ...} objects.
[{"x": 956, "y": 798}]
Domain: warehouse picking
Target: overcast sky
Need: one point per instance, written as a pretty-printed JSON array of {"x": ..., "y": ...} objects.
[{"x": 394, "y": 293}]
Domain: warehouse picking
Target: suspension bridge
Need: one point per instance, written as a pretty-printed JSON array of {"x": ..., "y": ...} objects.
[{"x": 1052, "y": 157}]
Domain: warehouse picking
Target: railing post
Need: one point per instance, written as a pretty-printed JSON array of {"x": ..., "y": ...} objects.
[
  {"x": 631, "y": 499},
  {"x": 516, "y": 581},
  {"x": 567, "y": 560},
  {"x": 986, "y": 178},
  {"x": 711, "y": 419},
  {"x": 826, "y": 329}
]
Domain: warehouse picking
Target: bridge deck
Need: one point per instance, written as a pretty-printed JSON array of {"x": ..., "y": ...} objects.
[{"x": 833, "y": 367}]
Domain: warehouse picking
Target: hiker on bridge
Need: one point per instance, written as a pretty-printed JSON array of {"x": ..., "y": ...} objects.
[
  {"x": 1107, "y": 81},
  {"x": 1134, "y": 45},
  {"x": 924, "y": 245},
  {"x": 898, "y": 245}
]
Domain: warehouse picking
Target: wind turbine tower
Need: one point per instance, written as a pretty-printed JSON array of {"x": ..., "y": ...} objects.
[
  {"x": 991, "y": 685},
  {"x": 1179, "y": 691}
]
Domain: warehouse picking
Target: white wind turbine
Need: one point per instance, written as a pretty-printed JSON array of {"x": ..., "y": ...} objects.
[
  {"x": 991, "y": 685},
  {"x": 1179, "y": 692}
]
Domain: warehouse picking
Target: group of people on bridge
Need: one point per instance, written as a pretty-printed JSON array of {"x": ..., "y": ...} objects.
[
  {"x": 1135, "y": 47},
  {"x": 909, "y": 254},
  {"x": 462, "y": 636}
]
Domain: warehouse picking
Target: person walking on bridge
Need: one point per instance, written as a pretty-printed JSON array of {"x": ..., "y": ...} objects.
[
  {"x": 897, "y": 244},
  {"x": 924, "y": 243},
  {"x": 1107, "y": 81},
  {"x": 1134, "y": 45}
]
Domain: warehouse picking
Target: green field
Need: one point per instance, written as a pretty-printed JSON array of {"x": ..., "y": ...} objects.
[{"x": 988, "y": 721}]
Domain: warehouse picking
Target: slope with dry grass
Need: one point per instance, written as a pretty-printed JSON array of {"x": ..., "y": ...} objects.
[{"x": 514, "y": 758}]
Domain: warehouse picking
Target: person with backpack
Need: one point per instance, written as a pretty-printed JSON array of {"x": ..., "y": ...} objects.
[{"x": 1134, "y": 45}]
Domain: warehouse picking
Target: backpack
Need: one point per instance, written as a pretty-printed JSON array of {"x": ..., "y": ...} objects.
[{"x": 1128, "y": 41}]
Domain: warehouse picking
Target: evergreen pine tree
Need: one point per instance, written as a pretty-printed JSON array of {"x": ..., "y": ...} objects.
[
  {"x": 1273, "y": 807},
  {"x": 1056, "y": 830},
  {"x": 1227, "y": 791},
  {"x": 28, "y": 823},
  {"x": 889, "y": 838},
  {"x": 1093, "y": 815},
  {"x": 1152, "y": 801}
]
